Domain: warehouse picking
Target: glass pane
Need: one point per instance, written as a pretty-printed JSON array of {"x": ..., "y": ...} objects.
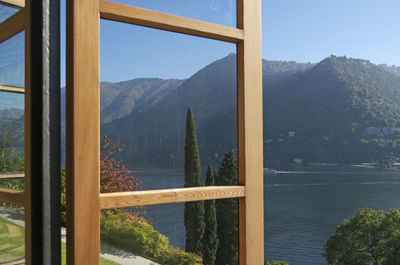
[
  {"x": 181, "y": 233},
  {"x": 12, "y": 61},
  {"x": 11, "y": 140},
  {"x": 215, "y": 11},
  {"x": 331, "y": 131},
  {"x": 6, "y": 12},
  {"x": 12, "y": 235},
  {"x": 147, "y": 115}
]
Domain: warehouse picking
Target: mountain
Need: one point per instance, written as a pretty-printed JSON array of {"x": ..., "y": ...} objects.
[
  {"x": 117, "y": 100},
  {"x": 155, "y": 136},
  {"x": 122, "y": 98},
  {"x": 340, "y": 110},
  {"x": 11, "y": 114},
  {"x": 325, "y": 112},
  {"x": 391, "y": 68},
  {"x": 332, "y": 109}
]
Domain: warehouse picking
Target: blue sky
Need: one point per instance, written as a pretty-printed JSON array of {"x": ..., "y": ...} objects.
[{"x": 306, "y": 30}]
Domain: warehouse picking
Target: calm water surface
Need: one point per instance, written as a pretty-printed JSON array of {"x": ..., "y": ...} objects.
[{"x": 301, "y": 209}]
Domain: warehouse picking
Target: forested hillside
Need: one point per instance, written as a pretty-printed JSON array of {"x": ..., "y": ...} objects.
[{"x": 338, "y": 111}]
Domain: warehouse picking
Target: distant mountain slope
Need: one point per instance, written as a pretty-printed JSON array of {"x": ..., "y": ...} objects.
[
  {"x": 120, "y": 99},
  {"x": 338, "y": 97},
  {"x": 391, "y": 68},
  {"x": 340, "y": 110},
  {"x": 156, "y": 135},
  {"x": 11, "y": 114},
  {"x": 117, "y": 100},
  {"x": 325, "y": 107},
  {"x": 123, "y": 98}
]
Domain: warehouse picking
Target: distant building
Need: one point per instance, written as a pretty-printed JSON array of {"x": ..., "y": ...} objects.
[{"x": 298, "y": 161}]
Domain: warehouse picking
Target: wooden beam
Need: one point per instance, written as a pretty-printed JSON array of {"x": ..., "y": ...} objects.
[
  {"x": 83, "y": 132},
  {"x": 250, "y": 133},
  {"x": 151, "y": 197},
  {"x": 13, "y": 3},
  {"x": 12, "y": 89},
  {"x": 153, "y": 19},
  {"x": 15, "y": 262},
  {"x": 15, "y": 197},
  {"x": 13, "y": 25},
  {"x": 11, "y": 176}
]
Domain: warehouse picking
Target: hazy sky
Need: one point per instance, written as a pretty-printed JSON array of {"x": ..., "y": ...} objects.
[{"x": 299, "y": 30}]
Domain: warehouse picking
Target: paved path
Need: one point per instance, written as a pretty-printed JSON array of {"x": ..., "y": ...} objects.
[{"x": 107, "y": 251}]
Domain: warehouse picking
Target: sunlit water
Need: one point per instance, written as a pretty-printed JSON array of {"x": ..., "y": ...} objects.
[{"x": 302, "y": 209}]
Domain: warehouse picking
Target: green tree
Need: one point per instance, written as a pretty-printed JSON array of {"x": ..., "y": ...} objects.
[
  {"x": 370, "y": 237},
  {"x": 9, "y": 159},
  {"x": 277, "y": 262},
  {"x": 210, "y": 238},
  {"x": 227, "y": 214},
  {"x": 194, "y": 211}
]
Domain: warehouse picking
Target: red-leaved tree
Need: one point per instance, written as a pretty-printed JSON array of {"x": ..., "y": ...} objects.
[{"x": 115, "y": 176}]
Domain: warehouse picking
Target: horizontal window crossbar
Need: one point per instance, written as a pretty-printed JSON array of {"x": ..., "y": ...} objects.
[
  {"x": 15, "y": 197},
  {"x": 11, "y": 176},
  {"x": 153, "y": 19},
  {"x": 13, "y": 3},
  {"x": 12, "y": 89},
  {"x": 12, "y": 26},
  {"x": 151, "y": 197}
]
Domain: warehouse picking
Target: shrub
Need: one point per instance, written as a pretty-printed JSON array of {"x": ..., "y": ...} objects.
[{"x": 135, "y": 235}]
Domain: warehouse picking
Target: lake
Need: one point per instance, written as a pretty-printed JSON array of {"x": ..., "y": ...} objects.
[{"x": 301, "y": 209}]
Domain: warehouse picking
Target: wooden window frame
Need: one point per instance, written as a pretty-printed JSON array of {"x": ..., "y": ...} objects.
[{"x": 84, "y": 200}]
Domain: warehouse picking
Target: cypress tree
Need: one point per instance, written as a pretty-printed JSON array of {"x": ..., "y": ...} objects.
[
  {"x": 227, "y": 214},
  {"x": 194, "y": 211},
  {"x": 210, "y": 238}
]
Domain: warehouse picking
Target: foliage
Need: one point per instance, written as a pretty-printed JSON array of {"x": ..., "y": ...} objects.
[
  {"x": 116, "y": 176},
  {"x": 277, "y": 262},
  {"x": 370, "y": 237},
  {"x": 194, "y": 211},
  {"x": 10, "y": 161},
  {"x": 210, "y": 238},
  {"x": 139, "y": 237},
  {"x": 227, "y": 214}
]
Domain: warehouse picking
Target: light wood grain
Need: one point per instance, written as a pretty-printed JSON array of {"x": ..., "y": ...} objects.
[
  {"x": 151, "y": 197},
  {"x": 13, "y": 25},
  {"x": 12, "y": 89},
  {"x": 83, "y": 132},
  {"x": 14, "y": 197},
  {"x": 11, "y": 176},
  {"x": 158, "y": 20},
  {"x": 27, "y": 134},
  {"x": 13, "y": 3},
  {"x": 250, "y": 134},
  {"x": 15, "y": 262}
]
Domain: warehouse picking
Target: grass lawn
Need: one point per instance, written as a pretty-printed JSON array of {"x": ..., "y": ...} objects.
[{"x": 12, "y": 238}]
